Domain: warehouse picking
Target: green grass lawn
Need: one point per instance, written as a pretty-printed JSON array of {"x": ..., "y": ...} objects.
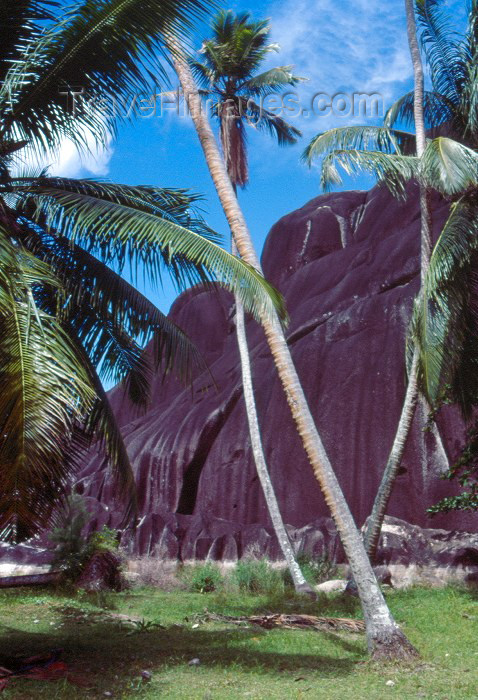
[{"x": 107, "y": 655}]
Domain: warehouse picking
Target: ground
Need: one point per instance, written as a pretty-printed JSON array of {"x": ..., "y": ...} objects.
[{"x": 106, "y": 655}]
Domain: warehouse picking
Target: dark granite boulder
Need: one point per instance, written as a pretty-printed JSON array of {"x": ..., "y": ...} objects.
[
  {"x": 348, "y": 266},
  {"x": 403, "y": 543}
]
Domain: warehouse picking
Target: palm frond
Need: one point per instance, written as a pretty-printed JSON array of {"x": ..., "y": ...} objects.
[
  {"x": 90, "y": 284},
  {"x": 101, "y": 423},
  {"x": 437, "y": 109},
  {"x": 270, "y": 81},
  {"x": 391, "y": 169},
  {"x": 469, "y": 98},
  {"x": 203, "y": 75},
  {"x": 20, "y": 26},
  {"x": 44, "y": 392},
  {"x": 119, "y": 232},
  {"x": 360, "y": 138},
  {"x": 449, "y": 167},
  {"x": 176, "y": 206},
  {"x": 443, "y": 49},
  {"x": 445, "y": 320},
  {"x": 264, "y": 120},
  {"x": 82, "y": 50}
]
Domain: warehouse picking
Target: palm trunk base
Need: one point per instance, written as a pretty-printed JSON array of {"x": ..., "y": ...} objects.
[{"x": 388, "y": 644}]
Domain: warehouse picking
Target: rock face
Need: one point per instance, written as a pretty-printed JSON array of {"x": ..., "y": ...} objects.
[
  {"x": 402, "y": 543},
  {"x": 347, "y": 264}
]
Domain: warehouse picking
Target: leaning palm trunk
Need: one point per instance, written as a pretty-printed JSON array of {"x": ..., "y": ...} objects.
[
  {"x": 300, "y": 584},
  {"x": 372, "y": 534},
  {"x": 385, "y": 639}
]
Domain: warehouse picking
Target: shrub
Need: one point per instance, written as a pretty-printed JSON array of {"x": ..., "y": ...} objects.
[
  {"x": 70, "y": 542},
  {"x": 257, "y": 576},
  {"x": 73, "y": 549},
  {"x": 105, "y": 539},
  {"x": 204, "y": 578}
]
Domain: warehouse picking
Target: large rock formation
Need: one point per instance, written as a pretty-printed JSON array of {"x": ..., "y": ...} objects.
[{"x": 348, "y": 266}]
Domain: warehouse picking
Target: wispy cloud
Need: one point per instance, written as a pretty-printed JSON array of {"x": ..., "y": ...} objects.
[
  {"x": 70, "y": 163},
  {"x": 348, "y": 46},
  {"x": 67, "y": 161}
]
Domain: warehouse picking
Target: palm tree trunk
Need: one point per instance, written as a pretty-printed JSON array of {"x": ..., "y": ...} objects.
[
  {"x": 385, "y": 639},
  {"x": 374, "y": 526},
  {"x": 300, "y": 584}
]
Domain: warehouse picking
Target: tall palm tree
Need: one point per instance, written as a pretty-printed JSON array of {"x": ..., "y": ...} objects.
[
  {"x": 374, "y": 527},
  {"x": 228, "y": 73},
  {"x": 67, "y": 316},
  {"x": 385, "y": 639},
  {"x": 446, "y": 111}
]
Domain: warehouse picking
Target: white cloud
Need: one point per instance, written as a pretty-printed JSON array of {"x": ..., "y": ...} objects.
[
  {"x": 70, "y": 163},
  {"x": 348, "y": 46},
  {"x": 67, "y": 161}
]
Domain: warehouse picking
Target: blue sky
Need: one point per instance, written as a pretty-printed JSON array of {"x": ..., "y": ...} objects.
[{"x": 347, "y": 46}]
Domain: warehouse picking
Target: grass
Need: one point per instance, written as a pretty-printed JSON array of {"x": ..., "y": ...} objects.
[{"x": 107, "y": 656}]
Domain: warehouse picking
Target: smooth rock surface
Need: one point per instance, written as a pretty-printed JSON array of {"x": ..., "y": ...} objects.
[{"x": 348, "y": 266}]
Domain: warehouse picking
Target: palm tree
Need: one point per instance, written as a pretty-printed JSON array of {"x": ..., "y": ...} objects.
[
  {"x": 67, "y": 316},
  {"x": 374, "y": 527},
  {"x": 228, "y": 75},
  {"x": 446, "y": 111},
  {"x": 385, "y": 639}
]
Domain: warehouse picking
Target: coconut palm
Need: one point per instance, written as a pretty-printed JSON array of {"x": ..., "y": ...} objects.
[
  {"x": 68, "y": 317},
  {"x": 229, "y": 78},
  {"x": 385, "y": 639},
  {"x": 447, "y": 111}
]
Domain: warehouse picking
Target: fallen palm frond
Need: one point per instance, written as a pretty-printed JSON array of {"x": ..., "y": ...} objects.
[{"x": 331, "y": 624}]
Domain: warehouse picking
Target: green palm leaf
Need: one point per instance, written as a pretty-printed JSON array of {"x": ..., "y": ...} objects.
[
  {"x": 443, "y": 48},
  {"x": 91, "y": 287},
  {"x": 449, "y": 167},
  {"x": 120, "y": 232},
  {"x": 359, "y": 138},
  {"x": 271, "y": 81},
  {"x": 444, "y": 322},
  {"x": 176, "y": 206},
  {"x": 393, "y": 170},
  {"x": 44, "y": 392},
  {"x": 106, "y": 48},
  {"x": 264, "y": 120},
  {"x": 101, "y": 422},
  {"x": 437, "y": 109}
]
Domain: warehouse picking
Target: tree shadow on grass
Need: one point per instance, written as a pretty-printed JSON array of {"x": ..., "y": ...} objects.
[{"x": 106, "y": 655}]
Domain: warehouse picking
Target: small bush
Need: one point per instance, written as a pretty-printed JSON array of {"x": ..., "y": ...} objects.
[
  {"x": 204, "y": 578},
  {"x": 71, "y": 545},
  {"x": 105, "y": 540},
  {"x": 257, "y": 576},
  {"x": 73, "y": 549}
]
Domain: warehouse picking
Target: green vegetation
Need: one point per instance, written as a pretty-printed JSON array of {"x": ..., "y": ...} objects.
[
  {"x": 256, "y": 576},
  {"x": 107, "y": 654},
  {"x": 202, "y": 578},
  {"x": 74, "y": 548}
]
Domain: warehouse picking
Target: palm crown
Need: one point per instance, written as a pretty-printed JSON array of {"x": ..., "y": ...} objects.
[
  {"x": 228, "y": 74},
  {"x": 68, "y": 317}
]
